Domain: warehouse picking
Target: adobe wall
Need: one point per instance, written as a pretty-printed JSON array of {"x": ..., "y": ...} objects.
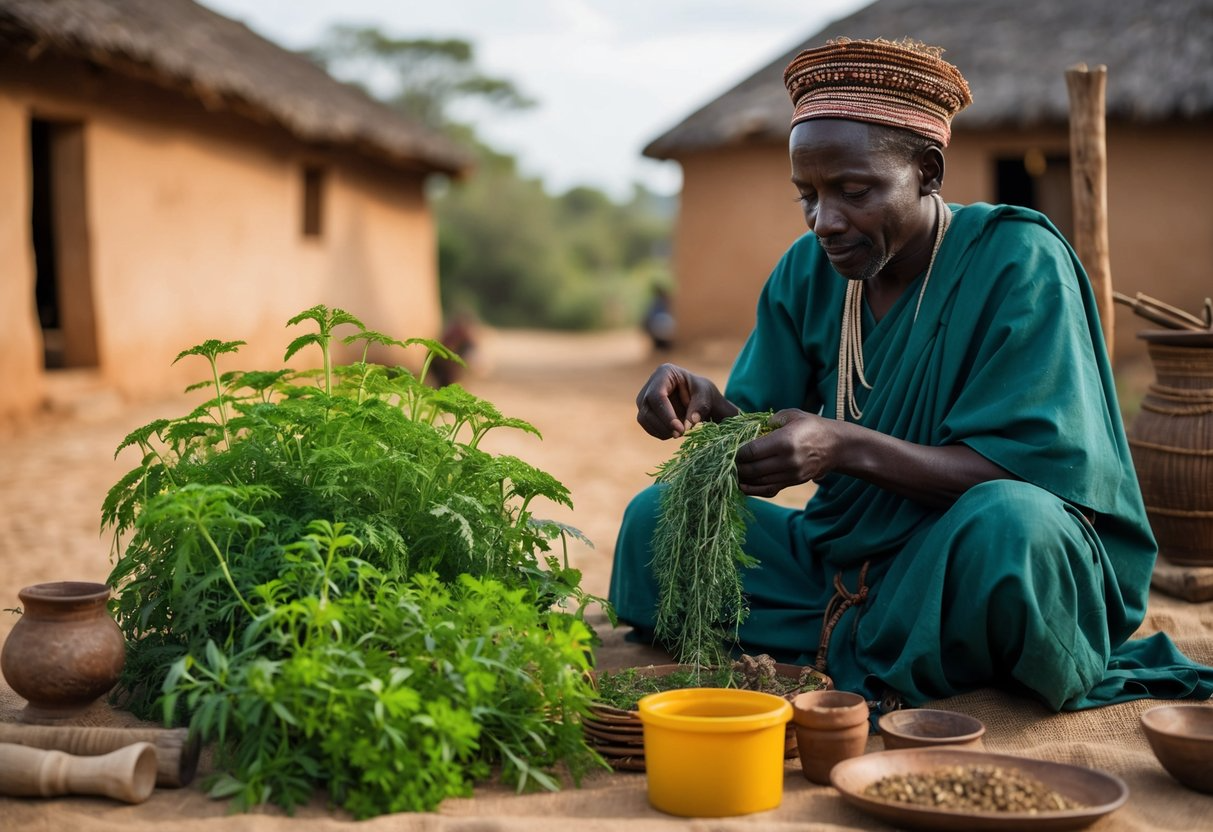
[
  {"x": 195, "y": 223},
  {"x": 20, "y": 340},
  {"x": 737, "y": 215}
]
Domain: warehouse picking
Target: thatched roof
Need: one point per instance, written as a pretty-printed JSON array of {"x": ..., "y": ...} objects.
[
  {"x": 194, "y": 51},
  {"x": 1014, "y": 53}
]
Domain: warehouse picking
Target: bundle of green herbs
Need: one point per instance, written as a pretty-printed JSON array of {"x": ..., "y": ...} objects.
[
  {"x": 323, "y": 572},
  {"x": 697, "y": 544}
]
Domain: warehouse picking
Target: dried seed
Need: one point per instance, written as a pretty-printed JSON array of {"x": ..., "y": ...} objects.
[{"x": 983, "y": 788}]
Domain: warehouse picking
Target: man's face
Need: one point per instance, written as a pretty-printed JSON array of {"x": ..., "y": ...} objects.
[{"x": 863, "y": 203}]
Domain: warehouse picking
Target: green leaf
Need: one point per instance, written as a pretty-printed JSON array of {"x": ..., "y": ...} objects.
[
  {"x": 211, "y": 349},
  {"x": 301, "y": 342}
]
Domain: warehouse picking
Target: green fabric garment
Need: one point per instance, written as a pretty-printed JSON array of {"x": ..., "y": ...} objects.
[{"x": 1011, "y": 586}]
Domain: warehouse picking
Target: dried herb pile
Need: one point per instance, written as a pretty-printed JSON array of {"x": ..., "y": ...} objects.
[
  {"x": 697, "y": 545},
  {"x": 624, "y": 688}
]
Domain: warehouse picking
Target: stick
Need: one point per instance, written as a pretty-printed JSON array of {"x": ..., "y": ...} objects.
[
  {"x": 1157, "y": 314},
  {"x": 1176, "y": 312},
  {"x": 176, "y": 753},
  {"x": 1089, "y": 182}
]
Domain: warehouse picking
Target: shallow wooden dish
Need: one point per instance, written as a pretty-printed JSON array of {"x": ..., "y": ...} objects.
[
  {"x": 1181, "y": 737},
  {"x": 1099, "y": 792},
  {"x": 929, "y": 728}
]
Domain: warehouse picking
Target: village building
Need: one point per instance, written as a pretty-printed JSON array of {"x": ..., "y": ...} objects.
[
  {"x": 169, "y": 177},
  {"x": 738, "y": 211}
]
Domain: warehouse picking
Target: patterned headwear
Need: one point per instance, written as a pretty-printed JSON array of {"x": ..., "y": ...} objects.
[{"x": 903, "y": 84}]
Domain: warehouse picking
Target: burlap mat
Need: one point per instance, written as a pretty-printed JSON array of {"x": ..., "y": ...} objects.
[{"x": 1109, "y": 738}]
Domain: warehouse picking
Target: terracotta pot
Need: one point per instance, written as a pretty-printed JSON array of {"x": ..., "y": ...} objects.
[
  {"x": 831, "y": 726},
  {"x": 65, "y": 651}
]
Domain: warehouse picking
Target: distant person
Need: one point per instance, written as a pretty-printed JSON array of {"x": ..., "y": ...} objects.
[
  {"x": 659, "y": 321},
  {"x": 459, "y": 336},
  {"x": 938, "y": 370}
]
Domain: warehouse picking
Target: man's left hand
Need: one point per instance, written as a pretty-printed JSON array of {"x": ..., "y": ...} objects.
[{"x": 799, "y": 449}]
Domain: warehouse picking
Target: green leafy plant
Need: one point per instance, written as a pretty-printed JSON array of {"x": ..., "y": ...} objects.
[
  {"x": 697, "y": 544},
  {"x": 266, "y": 546},
  {"x": 393, "y": 694}
]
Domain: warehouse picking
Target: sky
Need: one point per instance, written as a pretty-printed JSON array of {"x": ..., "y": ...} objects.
[{"x": 609, "y": 75}]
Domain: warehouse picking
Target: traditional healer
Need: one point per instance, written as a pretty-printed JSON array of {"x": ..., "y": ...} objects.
[{"x": 939, "y": 372}]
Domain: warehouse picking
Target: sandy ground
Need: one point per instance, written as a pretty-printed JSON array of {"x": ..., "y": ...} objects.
[{"x": 578, "y": 390}]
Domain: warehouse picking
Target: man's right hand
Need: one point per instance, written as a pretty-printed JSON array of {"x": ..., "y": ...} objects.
[{"x": 674, "y": 400}]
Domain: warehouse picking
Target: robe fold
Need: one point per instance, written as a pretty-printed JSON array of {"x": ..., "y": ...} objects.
[{"x": 1034, "y": 584}]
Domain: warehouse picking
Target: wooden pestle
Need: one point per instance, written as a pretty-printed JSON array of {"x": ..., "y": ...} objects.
[
  {"x": 128, "y": 774},
  {"x": 176, "y": 752}
]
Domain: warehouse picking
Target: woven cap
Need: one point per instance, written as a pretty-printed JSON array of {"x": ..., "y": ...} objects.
[{"x": 903, "y": 84}]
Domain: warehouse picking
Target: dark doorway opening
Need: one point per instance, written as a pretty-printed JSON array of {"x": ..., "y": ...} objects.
[
  {"x": 1039, "y": 181},
  {"x": 62, "y": 263}
]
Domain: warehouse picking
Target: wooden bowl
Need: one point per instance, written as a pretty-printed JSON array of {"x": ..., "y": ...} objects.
[
  {"x": 1097, "y": 793},
  {"x": 927, "y": 728},
  {"x": 1181, "y": 737}
]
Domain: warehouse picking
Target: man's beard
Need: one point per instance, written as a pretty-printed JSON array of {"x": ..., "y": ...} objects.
[{"x": 877, "y": 260}]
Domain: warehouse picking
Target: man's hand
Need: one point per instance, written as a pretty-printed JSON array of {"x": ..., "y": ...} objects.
[
  {"x": 799, "y": 449},
  {"x": 806, "y": 447},
  {"x": 674, "y": 400}
]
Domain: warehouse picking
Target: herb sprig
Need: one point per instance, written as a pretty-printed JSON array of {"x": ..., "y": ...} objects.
[{"x": 697, "y": 544}]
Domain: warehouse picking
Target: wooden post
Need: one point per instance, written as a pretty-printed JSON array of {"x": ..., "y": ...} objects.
[{"x": 1089, "y": 183}]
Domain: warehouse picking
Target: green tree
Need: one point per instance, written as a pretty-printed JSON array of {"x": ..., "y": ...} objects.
[
  {"x": 509, "y": 252},
  {"x": 426, "y": 77}
]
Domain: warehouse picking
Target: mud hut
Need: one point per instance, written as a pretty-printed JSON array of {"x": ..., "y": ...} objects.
[
  {"x": 1012, "y": 145},
  {"x": 174, "y": 177}
]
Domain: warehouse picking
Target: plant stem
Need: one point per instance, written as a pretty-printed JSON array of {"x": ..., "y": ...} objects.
[{"x": 206, "y": 535}]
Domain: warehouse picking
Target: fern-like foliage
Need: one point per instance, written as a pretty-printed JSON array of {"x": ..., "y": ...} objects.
[{"x": 208, "y": 526}]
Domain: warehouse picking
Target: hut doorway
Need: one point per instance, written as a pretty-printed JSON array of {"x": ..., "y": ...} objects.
[
  {"x": 1040, "y": 181},
  {"x": 63, "y": 264}
]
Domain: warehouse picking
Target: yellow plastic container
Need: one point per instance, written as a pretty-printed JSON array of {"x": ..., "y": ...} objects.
[{"x": 712, "y": 752}]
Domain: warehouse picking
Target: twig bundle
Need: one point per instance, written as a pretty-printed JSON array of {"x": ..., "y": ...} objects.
[{"x": 697, "y": 554}]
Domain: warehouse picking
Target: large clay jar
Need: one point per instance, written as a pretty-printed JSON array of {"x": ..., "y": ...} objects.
[
  {"x": 65, "y": 651},
  {"x": 831, "y": 726},
  {"x": 1172, "y": 445}
]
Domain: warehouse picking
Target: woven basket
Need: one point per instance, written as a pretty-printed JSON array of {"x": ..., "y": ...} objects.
[{"x": 1172, "y": 445}]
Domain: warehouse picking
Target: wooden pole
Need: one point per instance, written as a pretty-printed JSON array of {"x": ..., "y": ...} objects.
[{"x": 1089, "y": 183}]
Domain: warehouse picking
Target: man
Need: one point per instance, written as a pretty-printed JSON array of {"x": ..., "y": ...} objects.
[{"x": 939, "y": 372}]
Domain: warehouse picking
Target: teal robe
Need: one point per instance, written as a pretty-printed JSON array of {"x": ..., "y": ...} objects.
[{"x": 1033, "y": 584}]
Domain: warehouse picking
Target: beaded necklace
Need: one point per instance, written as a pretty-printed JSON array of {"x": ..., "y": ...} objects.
[{"x": 850, "y": 341}]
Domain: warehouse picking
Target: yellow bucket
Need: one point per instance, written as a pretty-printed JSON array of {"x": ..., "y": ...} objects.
[{"x": 712, "y": 752}]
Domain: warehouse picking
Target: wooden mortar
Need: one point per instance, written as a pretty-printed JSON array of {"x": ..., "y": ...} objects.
[
  {"x": 128, "y": 774},
  {"x": 176, "y": 751}
]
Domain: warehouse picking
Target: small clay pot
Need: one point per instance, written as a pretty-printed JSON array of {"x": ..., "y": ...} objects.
[
  {"x": 65, "y": 651},
  {"x": 831, "y": 726},
  {"x": 928, "y": 727}
]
